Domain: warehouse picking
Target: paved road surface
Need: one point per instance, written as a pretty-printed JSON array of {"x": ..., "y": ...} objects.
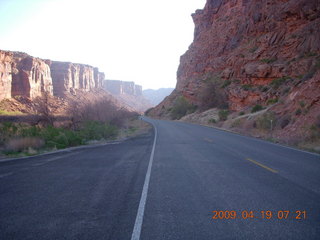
[{"x": 164, "y": 189}]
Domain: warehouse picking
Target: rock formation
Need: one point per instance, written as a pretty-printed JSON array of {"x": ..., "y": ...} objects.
[
  {"x": 250, "y": 52},
  {"x": 156, "y": 96},
  {"x": 30, "y": 76},
  {"x": 128, "y": 93},
  {"x": 118, "y": 87},
  {"x": 27, "y": 76},
  {"x": 251, "y": 43},
  {"x": 68, "y": 77},
  {"x": 5, "y": 74}
]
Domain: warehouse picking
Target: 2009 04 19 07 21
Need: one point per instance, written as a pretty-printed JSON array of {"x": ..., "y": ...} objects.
[{"x": 265, "y": 214}]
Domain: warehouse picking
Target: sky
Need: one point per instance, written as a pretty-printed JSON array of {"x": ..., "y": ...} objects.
[{"x": 129, "y": 40}]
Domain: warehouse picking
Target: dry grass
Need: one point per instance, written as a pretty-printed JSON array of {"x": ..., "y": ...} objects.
[
  {"x": 23, "y": 144},
  {"x": 133, "y": 128}
]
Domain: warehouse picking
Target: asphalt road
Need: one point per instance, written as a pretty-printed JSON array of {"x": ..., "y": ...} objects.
[{"x": 164, "y": 185}]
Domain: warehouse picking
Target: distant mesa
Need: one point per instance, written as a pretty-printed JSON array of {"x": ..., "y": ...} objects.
[
  {"x": 128, "y": 93},
  {"x": 156, "y": 96},
  {"x": 118, "y": 87}
]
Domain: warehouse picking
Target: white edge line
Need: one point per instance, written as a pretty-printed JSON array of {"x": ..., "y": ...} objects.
[{"x": 139, "y": 219}]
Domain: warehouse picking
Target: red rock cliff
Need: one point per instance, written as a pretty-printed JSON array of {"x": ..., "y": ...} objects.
[
  {"x": 30, "y": 76},
  {"x": 118, "y": 87},
  {"x": 5, "y": 74},
  {"x": 250, "y": 54},
  {"x": 27, "y": 76},
  {"x": 68, "y": 77},
  {"x": 246, "y": 46}
]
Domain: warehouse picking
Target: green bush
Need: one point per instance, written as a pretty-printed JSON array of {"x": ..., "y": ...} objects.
[
  {"x": 181, "y": 108},
  {"x": 268, "y": 60},
  {"x": 272, "y": 101},
  {"x": 223, "y": 115},
  {"x": 256, "y": 108},
  {"x": 226, "y": 83},
  {"x": 276, "y": 83},
  {"x": 93, "y": 130},
  {"x": 58, "y": 137},
  {"x": 298, "y": 111},
  {"x": 246, "y": 87},
  {"x": 241, "y": 113},
  {"x": 212, "y": 120},
  {"x": 302, "y": 104},
  {"x": 211, "y": 95}
]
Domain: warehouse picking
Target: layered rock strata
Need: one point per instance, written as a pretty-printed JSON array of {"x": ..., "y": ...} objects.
[
  {"x": 27, "y": 76},
  {"x": 118, "y": 87},
  {"x": 246, "y": 46},
  {"x": 5, "y": 74}
]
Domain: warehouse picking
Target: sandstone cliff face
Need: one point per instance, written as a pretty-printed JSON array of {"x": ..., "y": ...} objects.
[
  {"x": 250, "y": 52},
  {"x": 67, "y": 77},
  {"x": 250, "y": 42},
  {"x": 122, "y": 87},
  {"x": 27, "y": 76},
  {"x": 128, "y": 93},
  {"x": 30, "y": 76},
  {"x": 5, "y": 74}
]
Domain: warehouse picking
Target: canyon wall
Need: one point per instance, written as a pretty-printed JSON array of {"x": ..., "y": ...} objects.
[
  {"x": 30, "y": 76},
  {"x": 128, "y": 93},
  {"x": 5, "y": 74},
  {"x": 242, "y": 48},
  {"x": 68, "y": 77},
  {"x": 122, "y": 87},
  {"x": 27, "y": 76}
]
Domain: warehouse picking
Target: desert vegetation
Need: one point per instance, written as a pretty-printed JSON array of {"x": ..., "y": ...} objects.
[
  {"x": 80, "y": 123},
  {"x": 181, "y": 107}
]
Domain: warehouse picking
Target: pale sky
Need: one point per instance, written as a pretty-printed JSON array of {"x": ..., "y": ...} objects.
[{"x": 129, "y": 40}]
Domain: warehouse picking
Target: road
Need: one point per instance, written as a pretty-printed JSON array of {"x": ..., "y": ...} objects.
[{"x": 166, "y": 184}]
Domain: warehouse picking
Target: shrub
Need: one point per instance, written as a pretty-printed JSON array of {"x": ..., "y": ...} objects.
[
  {"x": 302, "y": 104},
  {"x": 181, "y": 107},
  {"x": 272, "y": 101},
  {"x": 212, "y": 120},
  {"x": 298, "y": 111},
  {"x": 256, "y": 108},
  {"x": 246, "y": 87},
  {"x": 264, "y": 88},
  {"x": 314, "y": 132},
  {"x": 236, "y": 123},
  {"x": 93, "y": 130},
  {"x": 226, "y": 84},
  {"x": 276, "y": 83},
  {"x": 223, "y": 115},
  {"x": 241, "y": 113},
  {"x": 286, "y": 90},
  {"x": 268, "y": 60},
  {"x": 211, "y": 95}
]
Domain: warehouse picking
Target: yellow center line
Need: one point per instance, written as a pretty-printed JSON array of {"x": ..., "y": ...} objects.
[{"x": 261, "y": 165}]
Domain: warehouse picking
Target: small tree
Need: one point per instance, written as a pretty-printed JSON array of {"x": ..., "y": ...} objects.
[{"x": 42, "y": 106}]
